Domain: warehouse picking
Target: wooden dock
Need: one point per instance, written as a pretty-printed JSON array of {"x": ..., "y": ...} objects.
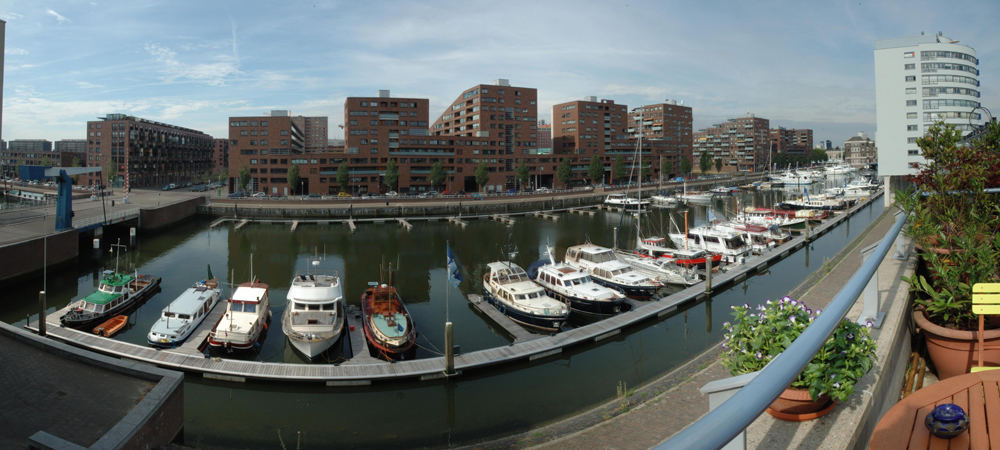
[
  {"x": 199, "y": 337},
  {"x": 218, "y": 222},
  {"x": 525, "y": 347},
  {"x": 351, "y": 225},
  {"x": 406, "y": 224},
  {"x": 241, "y": 224},
  {"x": 506, "y": 220},
  {"x": 589, "y": 212},
  {"x": 458, "y": 221},
  {"x": 356, "y": 333},
  {"x": 519, "y": 333},
  {"x": 543, "y": 215},
  {"x": 295, "y": 224}
]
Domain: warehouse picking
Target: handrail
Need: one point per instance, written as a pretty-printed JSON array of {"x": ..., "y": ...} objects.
[{"x": 722, "y": 424}]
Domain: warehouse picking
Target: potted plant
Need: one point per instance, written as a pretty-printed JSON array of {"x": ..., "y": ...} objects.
[
  {"x": 954, "y": 223},
  {"x": 758, "y": 335}
]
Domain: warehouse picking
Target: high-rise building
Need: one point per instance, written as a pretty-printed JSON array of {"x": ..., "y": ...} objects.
[
  {"x": 266, "y": 146},
  {"x": 72, "y": 152},
  {"x": 220, "y": 155},
  {"x": 590, "y": 127},
  {"x": 666, "y": 131},
  {"x": 742, "y": 144},
  {"x": 919, "y": 81},
  {"x": 316, "y": 133},
  {"x": 27, "y": 152},
  {"x": 136, "y": 152},
  {"x": 791, "y": 142},
  {"x": 859, "y": 151},
  {"x": 544, "y": 137}
]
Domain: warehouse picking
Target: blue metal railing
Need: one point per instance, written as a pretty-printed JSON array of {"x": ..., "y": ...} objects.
[{"x": 724, "y": 423}]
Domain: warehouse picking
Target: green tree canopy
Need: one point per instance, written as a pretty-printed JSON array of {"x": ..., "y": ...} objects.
[
  {"x": 718, "y": 165},
  {"x": 685, "y": 166},
  {"x": 666, "y": 167},
  {"x": 819, "y": 155},
  {"x": 391, "y": 175},
  {"x": 647, "y": 169},
  {"x": 294, "y": 179},
  {"x": 705, "y": 162},
  {"x": 437, "y": 174},
  {"x": 522, "y": 174},
  {"x": 343, "y": 176},
  {"x": 482, "y": 175},
  {"x": 564, "y": 172},
  {"x": 596, "y": 169},
  {"x": 618, "y": 169},
  {"x": 244, "y": 179}
]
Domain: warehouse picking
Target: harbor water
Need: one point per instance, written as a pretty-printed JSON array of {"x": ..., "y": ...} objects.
[{"x": 466, "y": 409}]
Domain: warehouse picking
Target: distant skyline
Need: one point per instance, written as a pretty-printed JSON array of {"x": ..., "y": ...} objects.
[{"x": 195, "y": 64}]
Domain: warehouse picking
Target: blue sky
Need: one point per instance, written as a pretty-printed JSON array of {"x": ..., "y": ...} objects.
[{"x": 801, "y": 64}]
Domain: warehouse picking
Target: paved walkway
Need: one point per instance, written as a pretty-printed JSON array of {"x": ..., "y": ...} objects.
[{"x": 674, "y": 399}]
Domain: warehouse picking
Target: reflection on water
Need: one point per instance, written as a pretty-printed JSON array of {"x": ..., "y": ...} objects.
[{"x": 474, "y": 405}]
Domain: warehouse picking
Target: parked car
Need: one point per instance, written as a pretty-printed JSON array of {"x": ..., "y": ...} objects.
[
  {"x": 392, "y": 194},
  {"x": 314, "y": 195},
  {"x": 237, "y": 195},
  {"x": 343, "y": 195},
  {"x": 543, "y": 189},
  {"x": 259, "y": 195}
]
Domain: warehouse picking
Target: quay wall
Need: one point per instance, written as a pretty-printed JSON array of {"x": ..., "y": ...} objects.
[
  {"x": 151, "y": 219},
  {"x": 24, "y": 258}
]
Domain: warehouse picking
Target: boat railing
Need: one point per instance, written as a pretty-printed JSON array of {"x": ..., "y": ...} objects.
[{"x": 722, "y": 424}]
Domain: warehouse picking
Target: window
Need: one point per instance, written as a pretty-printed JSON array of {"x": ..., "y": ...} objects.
[
  {"x": 911, "y": 128},
  {"x": 911, "y": 115},
  {"x": 911, "y": 103},
  {"x": 911, "y": 90},
  {"x": 909, "y": 66},
  {"x": 911, "y": 140},
  {"x": 911, "y": 78},
  {"x": 913, "y": 152}
]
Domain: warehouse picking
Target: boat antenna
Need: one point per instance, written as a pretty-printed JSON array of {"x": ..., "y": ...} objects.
[
  {"x": 119, "y": 244},
  {"x": 251, "y": 269}
]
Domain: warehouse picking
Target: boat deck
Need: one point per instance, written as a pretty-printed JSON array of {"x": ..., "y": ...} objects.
[
  {"x": 363, "y": 371},
  {"x": 196, "y": 341}
]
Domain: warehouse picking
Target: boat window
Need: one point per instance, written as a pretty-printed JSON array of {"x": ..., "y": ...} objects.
[
  {"x": 236, "y": 307},
  {"x": 89, "y": 306},
  {"x": 533, "y": 295},
  {"x": 250, "y": 308},
  {"x": 735, "y": 242},
  {"x": 521, "y": 297},
  {"x": 328, "y": 307},
  {"x": 694, "y": 237},
  {"x": 314, "y": 307},
  {"x": 169, "y": 314},
  {"x": 299, "y": 307},
  {"x": 183, "y": 316}
]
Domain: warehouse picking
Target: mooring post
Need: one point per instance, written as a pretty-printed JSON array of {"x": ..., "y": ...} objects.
[
  {"x": 41, "y": 313},
  {"x": 614, "y": 240},
  {"x": 708, "y": 273},
  {"x": 449, "y": 349}
]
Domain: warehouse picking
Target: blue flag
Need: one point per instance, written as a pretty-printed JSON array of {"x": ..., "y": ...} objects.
[{"x": 454, "y": 273}]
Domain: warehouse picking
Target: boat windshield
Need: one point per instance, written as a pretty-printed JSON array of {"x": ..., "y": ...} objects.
[
  {"x": 236, "y": 307},
  {"x": 734, "y": 242},
  {"x": 169, "y": 314},
  {"x": 604, "y": 256},
  {"x": 250, "y": 307},
  {"x": 183, "y": 316},
  {"x": 621, "y": 271}
]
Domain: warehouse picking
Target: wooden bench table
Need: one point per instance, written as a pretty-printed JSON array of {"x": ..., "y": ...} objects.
[{"x": 977, "y": 393}]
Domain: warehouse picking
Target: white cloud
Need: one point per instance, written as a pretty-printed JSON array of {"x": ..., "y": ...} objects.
[
  {"x": 214, "y": 73},
  {"x": 9, "y": 16},
  {"x": 87, "y": 85},
  {"x": 59, "y": 17},
  {"x": 15, "y": 51}
]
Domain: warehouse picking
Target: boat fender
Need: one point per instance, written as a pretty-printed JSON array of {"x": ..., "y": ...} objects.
[{"x": 265, "y": 325}]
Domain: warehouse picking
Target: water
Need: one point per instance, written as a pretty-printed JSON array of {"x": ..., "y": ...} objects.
[{"x": 472, "y": 407}]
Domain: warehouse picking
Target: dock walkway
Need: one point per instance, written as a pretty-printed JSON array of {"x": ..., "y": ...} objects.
[
  {"x": 432, "y": 368},
  {"x": 519, "y": 333}
]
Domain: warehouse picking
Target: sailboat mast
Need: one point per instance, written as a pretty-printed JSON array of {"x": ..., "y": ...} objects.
[{"x": 638, "y": 206}]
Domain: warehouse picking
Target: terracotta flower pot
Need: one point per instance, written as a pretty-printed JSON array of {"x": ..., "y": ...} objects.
[
  {"x": 954, "y": 352},
  {"x": 796, "y": 405}
]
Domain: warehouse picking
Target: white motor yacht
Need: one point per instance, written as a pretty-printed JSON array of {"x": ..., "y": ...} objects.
[
  {"x": 180, "y": 318},
  {"x": 314, "y": 316},
  {"x": 508, "y": 288},
  {"x": 604, "y": 267}
]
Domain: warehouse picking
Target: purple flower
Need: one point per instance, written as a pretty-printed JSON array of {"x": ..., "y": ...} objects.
[
  {"x": 869, "y": 324},
  {"x": 724, "y": 345},
  {"x": 793, "y": 302},
  {"x": 760, "y": 356},
  {"x": 836, "y": 385},
  {"x": 850, "y": 336},
  {"x": 791, "y": 319}
]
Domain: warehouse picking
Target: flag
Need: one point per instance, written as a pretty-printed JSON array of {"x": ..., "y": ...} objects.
[
  {"x": 711, "y": 215},
  {"x": 454, "y": 273}
]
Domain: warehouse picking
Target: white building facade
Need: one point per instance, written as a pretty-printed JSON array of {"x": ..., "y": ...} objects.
[{"x": 919, "y": 81}]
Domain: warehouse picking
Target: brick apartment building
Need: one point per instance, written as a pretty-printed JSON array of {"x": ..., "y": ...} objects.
[
  {"x": 315, "y": 133},
  {"x": 586, "y": 129},
  {"x": 72, "y": 152},
  {"x": 27, "y": 152},
  {"x": 266, "y": 146},
  {"x": 791, "y": 142},
  {"x": 742, "y": 144},
  {"x": 544, "y": 131},
  {"x": 143, "y": 153},
  {"x": 666, "y": 131},
  {"x": 860, "y": 151},
  {"x": 220, "y": 156}
]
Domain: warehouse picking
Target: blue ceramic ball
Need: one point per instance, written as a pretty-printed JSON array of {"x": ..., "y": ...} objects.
[{"x": 947, "y": 421}]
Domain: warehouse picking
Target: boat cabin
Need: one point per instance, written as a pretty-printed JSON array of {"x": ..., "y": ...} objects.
[
  {"x": 591, "y": 253},
  {"x": 506, "y": 273}
]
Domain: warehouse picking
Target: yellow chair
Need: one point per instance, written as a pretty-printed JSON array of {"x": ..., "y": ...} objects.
[{"x": 985, "y": 300}]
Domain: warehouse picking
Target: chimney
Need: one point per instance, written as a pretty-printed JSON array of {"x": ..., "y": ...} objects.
[
  {"x": 383, "y": 93},
  {"x": 502, "y": 82}
]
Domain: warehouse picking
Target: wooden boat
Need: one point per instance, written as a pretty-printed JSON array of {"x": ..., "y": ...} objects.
[
  {"x": 111, "y": 326},
  {"x": 248, "y": 312},
  {"x": 387, "y": 324}
]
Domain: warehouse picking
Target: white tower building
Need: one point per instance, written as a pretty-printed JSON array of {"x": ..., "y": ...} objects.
[{"x": 921, "y": 80}]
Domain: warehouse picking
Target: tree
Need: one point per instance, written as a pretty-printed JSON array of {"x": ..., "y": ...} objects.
[
  {"x": 294, "y": 179},
  {"x": 647, "y": 170},
  {"x": 596, "y": 169},
  {"x": 391, "y": 175},
  {"x": 666, "y": 167},
  {"x": 482, "y": 175},
  {"x": 75, "y": 162},
  {"x": 522, "y": 174},
  {"x": 618, "y": 169},
  {"x": 705, "y": 162},
  {"x": 819, "y": 155},
  {"x": 718, "y": 165},
  {"x": 437, "y": 174},
  {"x": 343, "y": 176},
  {"x": 244, "y": 179},
  {"x": 686, "y": 166},
  {"x": 781, "y": 160},
  {"x": 564, "y": 172}
]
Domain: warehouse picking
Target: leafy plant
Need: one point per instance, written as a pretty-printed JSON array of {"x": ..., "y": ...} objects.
[
  {"x": 758, "y": 335},
  {"x": 565, "y": 171},
  {"x": 596, "y": 169}
]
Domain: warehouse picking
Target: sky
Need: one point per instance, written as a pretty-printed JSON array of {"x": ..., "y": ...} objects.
[{"x": 801, "y": 64}]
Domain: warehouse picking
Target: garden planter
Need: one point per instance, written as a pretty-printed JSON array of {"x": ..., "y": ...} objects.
[
  {"x": 954, "y": 352},
  {"x": 796, "y": 405}
]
